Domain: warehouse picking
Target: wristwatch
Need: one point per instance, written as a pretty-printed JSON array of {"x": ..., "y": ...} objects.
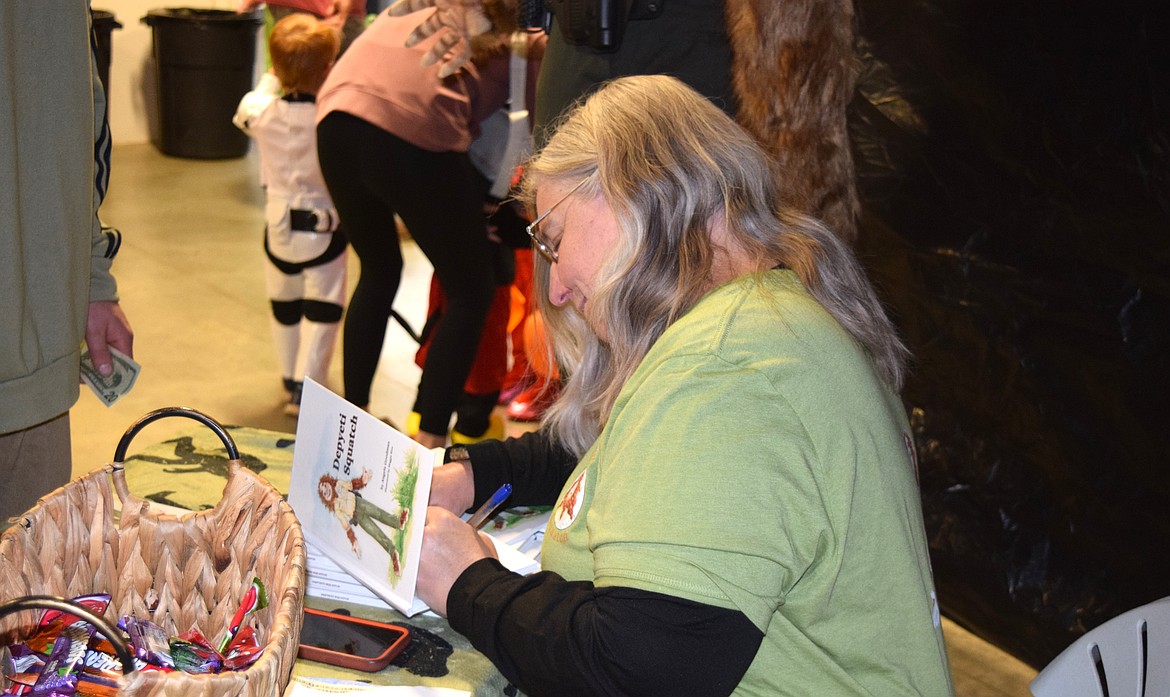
[{"x": 457, "y": 453}]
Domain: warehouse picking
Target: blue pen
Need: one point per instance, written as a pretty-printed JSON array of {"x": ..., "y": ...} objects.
[{"x": 489, "y": 507}]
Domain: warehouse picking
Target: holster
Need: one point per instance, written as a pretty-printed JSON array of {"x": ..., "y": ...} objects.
[{"x": 598, "y": 24}]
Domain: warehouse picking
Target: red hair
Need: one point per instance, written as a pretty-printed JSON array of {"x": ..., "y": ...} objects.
[{"x": 302, "y": 48}]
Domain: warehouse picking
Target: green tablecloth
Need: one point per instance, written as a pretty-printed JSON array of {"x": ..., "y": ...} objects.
[{"x": 190, "y": 470}]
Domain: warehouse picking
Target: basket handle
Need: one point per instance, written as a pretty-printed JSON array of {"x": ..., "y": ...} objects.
[
  {"x": 101, "y": 624},
  {"x": 124, "y": 443}
]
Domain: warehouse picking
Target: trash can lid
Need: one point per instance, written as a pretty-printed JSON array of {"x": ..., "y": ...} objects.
[
  {"x": 200, "y": 16},
  {"x": 105, "y": 18}
]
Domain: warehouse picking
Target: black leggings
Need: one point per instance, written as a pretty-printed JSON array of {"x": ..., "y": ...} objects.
[{"x": 371, "y": 175}]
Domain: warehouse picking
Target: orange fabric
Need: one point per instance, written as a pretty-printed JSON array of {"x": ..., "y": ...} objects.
[
  {"x": 536, "y": 350},
  {"x": 522, "y": 307}
]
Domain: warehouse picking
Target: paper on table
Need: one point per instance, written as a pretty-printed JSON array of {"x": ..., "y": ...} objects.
[
  {"x": 328, "y": 581},
  {"x": 522, "y": 527},
  {"x": 513, "y": 560},
  {"x": 316, "y": 687}
]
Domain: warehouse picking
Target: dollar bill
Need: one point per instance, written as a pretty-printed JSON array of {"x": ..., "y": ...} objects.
[{"x": 110, "y": 388}]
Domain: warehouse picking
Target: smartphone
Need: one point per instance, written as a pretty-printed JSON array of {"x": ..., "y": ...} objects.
[{"x": 350, "y": 642}]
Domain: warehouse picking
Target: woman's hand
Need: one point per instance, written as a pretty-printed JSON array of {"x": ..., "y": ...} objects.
[
  {"x": 449, "y": 546},
  {"x": 452, "y": 487}
]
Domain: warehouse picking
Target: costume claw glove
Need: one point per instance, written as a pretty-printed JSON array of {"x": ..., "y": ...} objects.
[{"x": 455, "y": 22}]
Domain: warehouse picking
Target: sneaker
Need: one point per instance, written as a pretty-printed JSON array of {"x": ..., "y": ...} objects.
[
  {"x": 515, "y": 389},
  {"x": 413, "y": 421},
  {"x": 394, "y": 561},
  {"x": 531, "y": 404},
  {"x": 293, "y": 406},
  {"x": 402, "y": 518}
]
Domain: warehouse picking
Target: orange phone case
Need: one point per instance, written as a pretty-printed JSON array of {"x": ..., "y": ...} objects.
[{"x": 368, "y": 664}]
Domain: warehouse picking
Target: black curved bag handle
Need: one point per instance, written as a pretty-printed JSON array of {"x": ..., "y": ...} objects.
[{"x": 124, "y": 443}]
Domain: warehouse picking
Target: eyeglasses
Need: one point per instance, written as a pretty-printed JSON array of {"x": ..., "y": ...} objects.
[{"x": 546, "y": 250}]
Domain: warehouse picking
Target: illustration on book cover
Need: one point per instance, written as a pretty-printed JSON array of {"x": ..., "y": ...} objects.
[{"x": 360, "y": 489}]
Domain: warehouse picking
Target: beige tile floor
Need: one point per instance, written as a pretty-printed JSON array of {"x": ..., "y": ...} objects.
[{"x": 190, "y": 273}]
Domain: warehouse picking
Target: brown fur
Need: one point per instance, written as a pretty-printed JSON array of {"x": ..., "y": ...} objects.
[
  {"x": 504, "y": 15},
  {"x": 793, "y": 73}
]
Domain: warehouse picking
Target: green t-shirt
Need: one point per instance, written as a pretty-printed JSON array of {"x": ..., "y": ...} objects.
[{"x": 755, "y": 461}]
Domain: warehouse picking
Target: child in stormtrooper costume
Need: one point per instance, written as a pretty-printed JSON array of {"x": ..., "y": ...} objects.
[{"x": 305, "y": 272}]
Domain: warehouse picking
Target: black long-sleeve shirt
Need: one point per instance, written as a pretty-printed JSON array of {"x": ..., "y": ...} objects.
[{"x": 551, "y": 636}]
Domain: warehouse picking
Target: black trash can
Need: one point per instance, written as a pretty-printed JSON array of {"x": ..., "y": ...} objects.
[
  {"x": 104, "y": 25},
  {"x": 203, "y": 63}
]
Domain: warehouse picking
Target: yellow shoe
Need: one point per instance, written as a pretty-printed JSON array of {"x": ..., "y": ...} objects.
[
  {"x": 495, "y": 431},
  {"x": 414, "y": 431}
]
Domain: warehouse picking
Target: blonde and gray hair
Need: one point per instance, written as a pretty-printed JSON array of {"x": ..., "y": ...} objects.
[{"x": 670, "y": 165}]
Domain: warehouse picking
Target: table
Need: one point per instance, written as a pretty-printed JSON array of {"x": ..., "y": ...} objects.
[{"x": 189, "y": 471}]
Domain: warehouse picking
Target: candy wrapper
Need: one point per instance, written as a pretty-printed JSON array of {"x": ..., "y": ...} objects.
[
  {"x": 194, "y": 654},
  {"x": 255, "y": 598},
  {"x": 243, "y": 651},
  {"x": 148, "y": 641},
  {"x": 89, "y": 685},
  {"x": 53, "y": 622},
  {"x": 65, "y": 657},
  {"x": 26, "y": 666},
  {"x": 58, "y": 675}
]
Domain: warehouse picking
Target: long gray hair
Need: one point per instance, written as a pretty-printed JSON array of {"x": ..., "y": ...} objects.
[{"x": 670, "y": 165}]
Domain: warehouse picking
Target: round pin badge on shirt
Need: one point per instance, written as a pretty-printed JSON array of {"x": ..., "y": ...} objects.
[{"x": 570, "y": 505}]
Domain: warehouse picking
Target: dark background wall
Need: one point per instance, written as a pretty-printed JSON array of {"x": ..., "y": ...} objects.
[{"x": 1013, "y": 159}]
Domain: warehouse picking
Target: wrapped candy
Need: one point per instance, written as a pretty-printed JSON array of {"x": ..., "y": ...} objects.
[
  {"x": 243, "y": 651},
  {"x": 255, "y": 598},
  {"x": 148, "y": 641},
  {"x": 194, "y": 654},
  {"x": 65, "y": 657}
]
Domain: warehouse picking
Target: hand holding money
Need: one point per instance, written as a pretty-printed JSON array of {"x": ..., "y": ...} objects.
[
  {"x": 107, "y": 366},
  {"x": 106, "y": 326},
  {"x": 110, "y": 388}
]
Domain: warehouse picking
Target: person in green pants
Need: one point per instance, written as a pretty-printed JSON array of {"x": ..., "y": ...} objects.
[{"x": 343, "y": 499}]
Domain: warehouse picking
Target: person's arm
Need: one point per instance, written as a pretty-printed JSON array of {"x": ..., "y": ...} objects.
[
  {"x": 533, "y": 464},
  {"x": 106, "y": 325},
  {"x": 256, "y": 102},
  {"x": 349, "y": 533},
  {"x": 550, "y": 636},
  {"x": 361, "y": 481}
]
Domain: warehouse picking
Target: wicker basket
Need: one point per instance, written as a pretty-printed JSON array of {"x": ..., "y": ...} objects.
[{"x": 178, "y": 571}]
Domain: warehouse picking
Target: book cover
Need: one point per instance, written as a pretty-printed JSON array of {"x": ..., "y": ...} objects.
[{"x": 360, "y": 489}]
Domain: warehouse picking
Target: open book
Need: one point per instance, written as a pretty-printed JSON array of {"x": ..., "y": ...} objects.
[{"x": 360, "y": 489}]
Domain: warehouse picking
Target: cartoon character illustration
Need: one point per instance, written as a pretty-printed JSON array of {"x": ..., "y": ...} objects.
[
  {"x": 569, "y": 506},
  {"x": 344, "y": 501}
]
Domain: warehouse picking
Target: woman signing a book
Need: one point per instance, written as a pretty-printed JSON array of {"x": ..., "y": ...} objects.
[{"x": 736, "y": 508}]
